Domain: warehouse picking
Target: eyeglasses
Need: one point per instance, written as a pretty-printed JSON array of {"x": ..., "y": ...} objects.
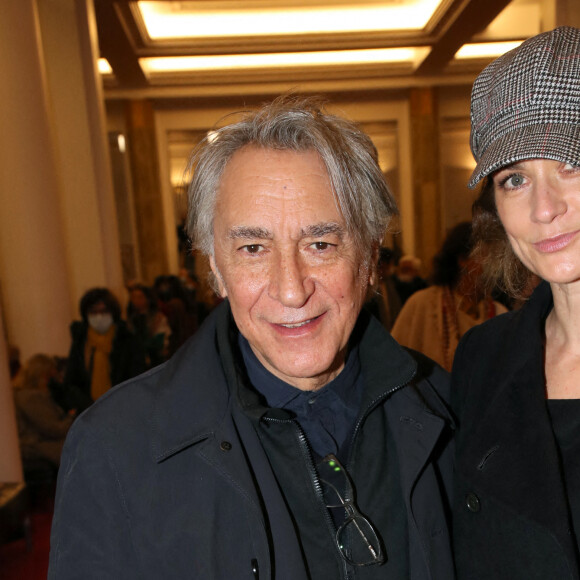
[{"x": 356, "y": 539}]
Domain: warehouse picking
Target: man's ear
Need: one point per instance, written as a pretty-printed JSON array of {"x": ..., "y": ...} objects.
[{"x": 218, "y": 278}]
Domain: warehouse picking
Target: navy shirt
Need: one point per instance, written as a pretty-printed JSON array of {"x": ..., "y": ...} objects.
[{"x": 327, "y": 415}]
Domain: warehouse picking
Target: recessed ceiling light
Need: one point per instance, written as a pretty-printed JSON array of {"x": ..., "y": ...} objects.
[
  {"x": 170, "y": 20},
  {"x": 104, "y": 67},
  {"x": 486, "y": 49},
  {"x": 160, "y": 65}
]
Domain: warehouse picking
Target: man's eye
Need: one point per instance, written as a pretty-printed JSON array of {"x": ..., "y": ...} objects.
[
  {"x": 321, "y": 246},
  {"x": 252, "y": 248}
]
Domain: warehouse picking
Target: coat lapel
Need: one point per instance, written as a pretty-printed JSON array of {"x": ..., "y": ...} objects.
[
  {"x": 512, "y": 455},
  {"x": 193, "y": 407}
]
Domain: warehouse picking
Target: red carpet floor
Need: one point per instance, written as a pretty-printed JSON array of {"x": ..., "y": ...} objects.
[{"x": 19, "y": 561}]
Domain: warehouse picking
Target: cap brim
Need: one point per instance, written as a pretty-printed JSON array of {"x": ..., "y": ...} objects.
[{"x": 560, "y": 142}]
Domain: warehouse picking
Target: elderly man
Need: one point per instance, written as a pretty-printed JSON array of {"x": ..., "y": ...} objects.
[{"x": 291, "y": 437}]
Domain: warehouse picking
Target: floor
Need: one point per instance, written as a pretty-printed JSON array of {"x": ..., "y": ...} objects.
[{"x": 28, "y": 560}]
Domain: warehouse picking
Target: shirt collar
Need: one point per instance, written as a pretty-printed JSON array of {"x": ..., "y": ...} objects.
[{"x": 279, "y": 394}]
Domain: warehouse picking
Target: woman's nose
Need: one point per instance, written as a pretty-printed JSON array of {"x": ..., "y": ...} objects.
[{"x": 548, "y": 202}]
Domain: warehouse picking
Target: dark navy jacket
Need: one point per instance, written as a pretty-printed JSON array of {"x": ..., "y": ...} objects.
[{"x": 165, "y": 478}]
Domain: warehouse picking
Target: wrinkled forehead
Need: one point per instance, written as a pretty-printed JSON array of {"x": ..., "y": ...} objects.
[{"x": 263, "y": 184}]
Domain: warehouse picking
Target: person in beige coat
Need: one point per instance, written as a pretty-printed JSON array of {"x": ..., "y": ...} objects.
[{"x": 434, "y": 319}]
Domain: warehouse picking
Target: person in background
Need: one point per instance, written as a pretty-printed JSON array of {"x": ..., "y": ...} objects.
[
  {"x": 291, "y": 437},
  {"x": 385, "y": 303},
  {"x": 148, "y": 323},
  {"x": 516, "y": 378},
  {"x": 14, "y": 361},
  {"x": 173, "y": 302},
  {"x": 103, "y": 352},
  {"x": 190, "y": 285},
  {"x": 42, "y": 424},
  {"x": 407, "y": 277},
  {"x": 434, "y": 319}
]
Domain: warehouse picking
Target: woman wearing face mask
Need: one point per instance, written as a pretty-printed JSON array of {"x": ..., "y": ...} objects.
[{"x": 103, "y": 352}]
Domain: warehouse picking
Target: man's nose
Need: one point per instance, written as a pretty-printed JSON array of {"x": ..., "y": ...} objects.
[{"x": 290, "y": 280}]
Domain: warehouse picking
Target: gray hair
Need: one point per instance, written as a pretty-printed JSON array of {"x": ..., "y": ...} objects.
[{"x": 297, "y": 124}]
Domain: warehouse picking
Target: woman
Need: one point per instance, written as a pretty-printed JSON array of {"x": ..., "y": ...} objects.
[
  {"x": 434, "y": 319},
  {"x": 103, "y": 352},
  {"x": 42, "y": 424},
  {"x": 517, "y": 378}
]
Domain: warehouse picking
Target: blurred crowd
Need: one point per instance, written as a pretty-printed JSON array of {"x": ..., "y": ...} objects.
[{"x": 108, "y": 346}]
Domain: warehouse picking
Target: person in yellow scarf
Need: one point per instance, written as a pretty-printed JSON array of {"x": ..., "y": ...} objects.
[{"x": 104, "y": 352}]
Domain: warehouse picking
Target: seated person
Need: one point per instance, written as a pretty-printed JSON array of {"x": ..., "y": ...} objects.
[{"x": 42, "y": 424}]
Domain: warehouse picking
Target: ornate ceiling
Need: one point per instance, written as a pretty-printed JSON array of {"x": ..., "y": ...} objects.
[{"x": 430, "y": 32}]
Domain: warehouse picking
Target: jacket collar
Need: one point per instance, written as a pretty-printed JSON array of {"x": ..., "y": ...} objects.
[
  {"x": 192, "y": 393},
  {"x": 195, "y": 385},
  {"x": 386, "y": 365}
]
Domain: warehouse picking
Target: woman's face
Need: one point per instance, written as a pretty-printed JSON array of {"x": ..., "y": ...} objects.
[{"x": 538, "y": 202}]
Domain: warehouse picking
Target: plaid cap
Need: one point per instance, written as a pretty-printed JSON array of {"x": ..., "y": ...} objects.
[{"x": 526, "y": 104}]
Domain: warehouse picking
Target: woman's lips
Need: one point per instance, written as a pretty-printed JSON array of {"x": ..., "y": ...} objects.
[{"x": 556, "y": 243}]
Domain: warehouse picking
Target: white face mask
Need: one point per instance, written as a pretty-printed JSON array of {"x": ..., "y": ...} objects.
[{"x": 100, "y": 322}]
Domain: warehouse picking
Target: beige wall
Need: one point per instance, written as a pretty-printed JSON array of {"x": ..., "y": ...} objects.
[{"x": 58, "y": 228}]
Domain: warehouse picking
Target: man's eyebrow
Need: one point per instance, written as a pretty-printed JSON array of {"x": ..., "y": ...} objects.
[
  {"x": 323, "y": 229},
  {"x": 249, "y": 233}
]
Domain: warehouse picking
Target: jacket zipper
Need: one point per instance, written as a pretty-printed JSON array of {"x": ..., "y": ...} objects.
[
  {"x": 365, "y": 414},
  {"x": 306, "y": 453}
]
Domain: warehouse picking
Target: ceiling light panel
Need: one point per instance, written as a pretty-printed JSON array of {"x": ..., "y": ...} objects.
[
  {"x": 104, "y": 66},
  {"x": 174, "y": 20},
  {"x": 486, "y": 49},
  {"x": 411, "y": 55}
]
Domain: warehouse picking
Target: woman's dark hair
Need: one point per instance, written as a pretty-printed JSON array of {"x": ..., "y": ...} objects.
[
  {"x": 502, "y": 269},
  {"x": 96, "y": 295},
  {"x": 457, "y": 245}
]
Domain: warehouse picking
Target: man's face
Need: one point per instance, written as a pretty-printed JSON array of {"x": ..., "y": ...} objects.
[{"x": 284, "y": 259}]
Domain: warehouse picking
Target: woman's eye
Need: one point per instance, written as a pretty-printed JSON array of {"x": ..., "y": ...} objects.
[
  {"x": 510, "y": 181},
  {"x": 514, "y": 181}
]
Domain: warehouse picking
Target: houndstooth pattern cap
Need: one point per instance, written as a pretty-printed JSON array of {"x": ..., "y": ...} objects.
[{"x": 526, "y": 104}]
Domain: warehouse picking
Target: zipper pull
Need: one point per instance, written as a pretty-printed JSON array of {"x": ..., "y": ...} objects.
[{"x": 255, "y": 569}]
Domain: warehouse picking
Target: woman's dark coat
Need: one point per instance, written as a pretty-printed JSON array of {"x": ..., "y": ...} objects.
[
  {"x": 511, "y": 519},
  {"x": 165, "y": 478}
]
